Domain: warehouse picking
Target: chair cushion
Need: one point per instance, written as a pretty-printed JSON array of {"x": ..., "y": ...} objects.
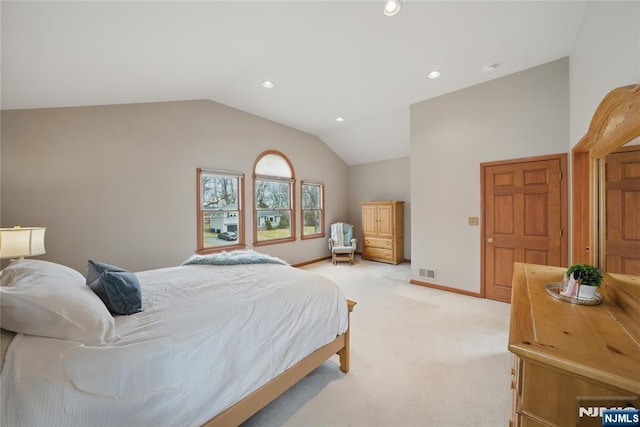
[
  {"x": 348, "y": 233},
  {"x": 342, "y": 249}
]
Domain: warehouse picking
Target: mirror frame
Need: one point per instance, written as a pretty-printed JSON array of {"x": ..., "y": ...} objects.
[{"x": 615, "y": 122}]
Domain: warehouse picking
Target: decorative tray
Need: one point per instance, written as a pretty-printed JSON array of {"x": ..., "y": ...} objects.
[{"x": 554, "y": 289}]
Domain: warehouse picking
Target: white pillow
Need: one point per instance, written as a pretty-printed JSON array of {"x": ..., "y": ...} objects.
[{"x": 50, "y": 300}]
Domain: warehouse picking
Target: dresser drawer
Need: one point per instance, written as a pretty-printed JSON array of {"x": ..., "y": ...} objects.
[
  {"x": 378, "y": 253},
  {"x": 376, "y": 242}
]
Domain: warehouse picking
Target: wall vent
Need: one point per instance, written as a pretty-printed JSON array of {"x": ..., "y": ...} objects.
[{"x": 428, "y": 273}]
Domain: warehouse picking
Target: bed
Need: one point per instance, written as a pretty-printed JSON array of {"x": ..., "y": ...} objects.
[{"x": 212, "y": 345}]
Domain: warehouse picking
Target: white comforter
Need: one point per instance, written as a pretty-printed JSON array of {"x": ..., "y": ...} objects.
[{"x": 207, "y": 337}]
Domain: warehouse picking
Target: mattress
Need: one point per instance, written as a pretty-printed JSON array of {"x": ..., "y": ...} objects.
[{"x": 208, "y": 336}]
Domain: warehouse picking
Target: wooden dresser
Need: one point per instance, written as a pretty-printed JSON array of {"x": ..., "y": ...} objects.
[
  {"x": 383, "y": 231},
  {"x": 565, "y": 354}
]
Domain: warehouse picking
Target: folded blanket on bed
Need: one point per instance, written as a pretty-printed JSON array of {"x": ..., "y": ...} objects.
[{"x": 238, "y": 257}]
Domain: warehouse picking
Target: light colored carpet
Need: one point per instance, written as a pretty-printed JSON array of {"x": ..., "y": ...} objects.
[{"x": 419, "y": 357}]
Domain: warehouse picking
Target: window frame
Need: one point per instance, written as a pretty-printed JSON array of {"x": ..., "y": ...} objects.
[
  {"x": 240, "y": 243},
  {"x": 322, "y": 232},
  {"x": 292, "y": 200}
]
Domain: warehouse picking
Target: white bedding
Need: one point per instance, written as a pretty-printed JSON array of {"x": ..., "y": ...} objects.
[{"x": 208, "y": 336}]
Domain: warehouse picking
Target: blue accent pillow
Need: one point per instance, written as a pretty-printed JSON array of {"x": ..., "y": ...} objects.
[
  {"x": 95, "y": 269},
  {"x": 118, "y": 288}
]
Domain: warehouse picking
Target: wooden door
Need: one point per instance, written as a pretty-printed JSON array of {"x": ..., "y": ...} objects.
[
  {"x": 369, "y": 220},
  {"x": 385, "y": 220},
  {"x": 622, "y": 230},
  {"x": 524, "y": 219}
]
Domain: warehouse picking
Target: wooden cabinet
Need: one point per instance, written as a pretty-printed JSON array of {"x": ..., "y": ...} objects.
[
  {"x": 383, "y": 231},
  {"x": 568, "y": 355}
]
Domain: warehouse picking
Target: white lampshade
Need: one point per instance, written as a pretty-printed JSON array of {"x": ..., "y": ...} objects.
[{"x": 20, "y": 242}]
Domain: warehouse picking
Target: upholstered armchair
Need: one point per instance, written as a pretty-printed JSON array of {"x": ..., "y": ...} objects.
[{"x": 342, "y": 244}]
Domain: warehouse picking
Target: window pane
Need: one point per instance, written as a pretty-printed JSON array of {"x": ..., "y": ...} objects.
[
  {"x": 219, "y": 210},
  {"x": 219, "y": 192},
  {"x": 274, "y": 224},
  {"x": 220, "y": 228},
  {"x": 312, "y": 222},
  {"x": 273, "y": 165},
  {"x": 312, "y": 210},
  {"x": 272, "y": 195},
  {"x": 310, "y": 196}
]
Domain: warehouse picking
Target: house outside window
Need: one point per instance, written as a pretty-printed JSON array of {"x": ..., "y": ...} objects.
[
  {"x": 220, "y": 204},
  {"x": 274, "y": 218},
  {"x": 312, "y": 210}
]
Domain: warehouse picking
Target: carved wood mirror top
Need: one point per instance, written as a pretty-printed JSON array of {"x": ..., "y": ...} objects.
[{"x": 615, "y": 122}]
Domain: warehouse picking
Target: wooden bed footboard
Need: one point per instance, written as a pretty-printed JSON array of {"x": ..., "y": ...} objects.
[{"x": 245, "y": 408}]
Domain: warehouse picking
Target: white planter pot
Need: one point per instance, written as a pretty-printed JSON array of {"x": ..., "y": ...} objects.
[{"x": 587, "y": 292}]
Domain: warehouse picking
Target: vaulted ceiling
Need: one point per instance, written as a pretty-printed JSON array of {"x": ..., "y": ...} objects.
[{"x": 326, "y": 59}]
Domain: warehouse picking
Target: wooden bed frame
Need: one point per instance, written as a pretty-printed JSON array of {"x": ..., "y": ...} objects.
[{"x": 245, "y": 408}]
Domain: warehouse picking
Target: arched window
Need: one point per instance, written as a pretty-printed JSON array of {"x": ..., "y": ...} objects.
[{"x": 273, "y": 180}]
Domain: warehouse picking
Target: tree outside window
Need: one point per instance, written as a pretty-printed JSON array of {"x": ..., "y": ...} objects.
[
  {"x": 273, "y": 184},
  {"x": 312, "y": 210},
  {"x": 219, "y": 210}
]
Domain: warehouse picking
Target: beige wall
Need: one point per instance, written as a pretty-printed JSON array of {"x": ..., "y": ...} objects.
[
  {"x": 606, "y": 55},
  {"x": 501, "y": 119},
  {"x": 520, "y": 115},
  {"x": 384, "y": 180},
  {"x": 117, "y": 183}
]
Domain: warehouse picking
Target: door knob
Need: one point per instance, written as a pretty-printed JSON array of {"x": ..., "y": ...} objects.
[{"x": 490, "y": 240}]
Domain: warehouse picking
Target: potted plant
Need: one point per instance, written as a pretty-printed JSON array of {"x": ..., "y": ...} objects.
[{"x": 588, "y": 277}]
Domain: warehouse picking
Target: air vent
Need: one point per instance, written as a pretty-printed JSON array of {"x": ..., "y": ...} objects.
[{"x": 428, "y": 273}]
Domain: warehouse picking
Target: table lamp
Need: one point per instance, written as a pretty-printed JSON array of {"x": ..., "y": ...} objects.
[{"x": 19, "y": 242}]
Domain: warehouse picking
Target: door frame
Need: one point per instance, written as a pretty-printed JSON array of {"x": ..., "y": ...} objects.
[{"x": 564, "y": 210}]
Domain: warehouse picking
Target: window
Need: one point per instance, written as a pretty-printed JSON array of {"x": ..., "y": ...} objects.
[
  {"x": 312, "y": 210},
  {"x": 274, "y": 220},
  {"x": 220, "y": 200}
]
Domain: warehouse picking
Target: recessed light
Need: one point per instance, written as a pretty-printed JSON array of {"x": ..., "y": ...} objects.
[
  {"x": 267, "y": 84},
  {"x": 489, "y": 68},
  {"x": 434, "y": 74},
  {"x": 340, "y": 119},
  {"x": 392, "y": 7}
]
